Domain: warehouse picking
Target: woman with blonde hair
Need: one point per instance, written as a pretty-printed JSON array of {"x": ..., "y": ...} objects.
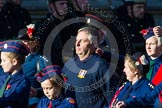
[{"x": 137, "y": 84}]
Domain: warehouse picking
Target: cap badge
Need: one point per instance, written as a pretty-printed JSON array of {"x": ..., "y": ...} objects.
[{"x": 5, "y": 46}]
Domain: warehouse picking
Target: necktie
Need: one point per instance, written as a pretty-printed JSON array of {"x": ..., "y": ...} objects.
[
  {"x": 50, "y": 104},
  {"x": 4, "y": 86},
  {"x": 149, "y": 74}
]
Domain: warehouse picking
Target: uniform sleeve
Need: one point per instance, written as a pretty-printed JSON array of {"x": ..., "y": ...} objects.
[
  {"x": 147, "y": 99},
  {"x": 19, "y": 95}
]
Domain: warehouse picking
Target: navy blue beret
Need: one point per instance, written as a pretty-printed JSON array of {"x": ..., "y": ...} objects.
[
  {"x": 147, "y": 33},
  {"x": 48, "y": 72},
  {"x": 28, "y": 33},
  {"x": 14, "y": 46},
  {"x": 22, "y": 35}
]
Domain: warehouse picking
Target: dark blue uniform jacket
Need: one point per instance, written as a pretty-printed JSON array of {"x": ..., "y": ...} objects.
[
  {"x": 57, "y": 103},
  {"x": 17, "y": 95},
  {"x": 138, "y": 89},
  {"x": 147, "y": 98}
]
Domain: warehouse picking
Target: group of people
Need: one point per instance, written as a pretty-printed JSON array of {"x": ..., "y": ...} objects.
[{"x": 85, "y": 81}]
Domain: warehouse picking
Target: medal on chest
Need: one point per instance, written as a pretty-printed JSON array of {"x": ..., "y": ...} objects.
[{"x": 82, "y": 73}]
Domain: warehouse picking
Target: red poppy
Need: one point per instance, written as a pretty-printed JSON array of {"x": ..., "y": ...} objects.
[
  {"x": 144, "y": 32},
  {"x": 30, "y": 32},
  {"x": 64, "y": 77},
  {"x": 40, "y": 74},
  {"x": 8, "y": 86}
]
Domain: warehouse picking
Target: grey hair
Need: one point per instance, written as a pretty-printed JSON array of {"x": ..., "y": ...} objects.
[{"x": 93, "y": 34}]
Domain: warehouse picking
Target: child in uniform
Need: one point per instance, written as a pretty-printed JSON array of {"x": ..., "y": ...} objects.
[
  {"x": 14, "y": 86},
  {"x": 51, "y": 82}
]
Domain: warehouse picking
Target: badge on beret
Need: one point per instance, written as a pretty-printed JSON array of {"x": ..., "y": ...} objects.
[
  {"x": 5, "y": 46},
  {"x": 82, "y": 73}
]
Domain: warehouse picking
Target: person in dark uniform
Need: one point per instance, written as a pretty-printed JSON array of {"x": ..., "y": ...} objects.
[
  {"x": 147, "y": 98},
  {"x": 87, "y": 74},
  {"x": 34, "y": 62},
  {"x": 51, "y": 81},
  {"x": 14, "y": 85},
  {"x": 135, "y": 18},
  {"x": 154, "y": 51},
  {"x": 137, "y": 84},
  {"x": 27, "y": 36},
  {"x": 19, "y": 14},
  {"x": 58, "y": 10}
]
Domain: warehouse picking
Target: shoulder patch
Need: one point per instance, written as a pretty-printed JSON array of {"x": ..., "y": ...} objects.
[
  {"x": 151, "y": 85},
  {"x": 44, "y": 58},
  {"x": 70, "y": 100}
]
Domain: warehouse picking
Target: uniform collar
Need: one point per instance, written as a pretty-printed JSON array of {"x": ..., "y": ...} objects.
[
  {"x": 138, "y": 83},
  {"x": 78, "y": 60},
  {"x": 159, "y": 59},
  {"x": 17, "y": 73},
  {"x": 57, "y": 100}
]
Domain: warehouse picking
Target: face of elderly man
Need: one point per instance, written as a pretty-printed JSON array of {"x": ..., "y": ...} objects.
[
  {"x": 154, "y": 47},
  {"x": 83, "y": 45}
]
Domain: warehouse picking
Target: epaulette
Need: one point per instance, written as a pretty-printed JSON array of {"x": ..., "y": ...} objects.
[
  {"x": 70, "y": 100},
  {"x": 124, "y": 83},
  {"x": 151, "y": 85},
  {"x": 44, "y": 58},
  {"x": 122, "y": 86}
]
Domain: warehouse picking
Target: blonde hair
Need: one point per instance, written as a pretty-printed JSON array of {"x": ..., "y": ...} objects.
[
  {"x": 55, "y": 81},
  {"x": 134, "y": 64},
  {"x": 19, "y": 58}
]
